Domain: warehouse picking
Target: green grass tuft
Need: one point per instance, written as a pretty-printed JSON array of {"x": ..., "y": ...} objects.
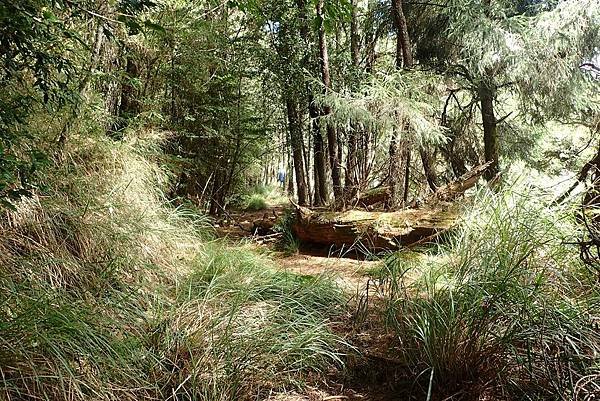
[
  {"x": 503, "y": 310},
  {"x": 108, "y": 292},
  {"x": 255, "y": 203}
]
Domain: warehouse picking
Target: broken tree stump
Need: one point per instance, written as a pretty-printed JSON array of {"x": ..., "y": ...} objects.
[
  {"x": 455, "y": 189},
  {"x": 446, "y": 193}
]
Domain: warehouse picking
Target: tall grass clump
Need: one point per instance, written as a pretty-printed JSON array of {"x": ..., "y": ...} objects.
[
  {"x": 244, "y": 329},
  {"x": 504, "y": 309},
  {"x": 290, "y": 244},
  {"x": 108, "y": 292},
  {"x": 255, "y": 202}
]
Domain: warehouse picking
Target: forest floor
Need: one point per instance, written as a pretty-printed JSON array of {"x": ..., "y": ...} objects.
[{"x": 370, "y": 370}]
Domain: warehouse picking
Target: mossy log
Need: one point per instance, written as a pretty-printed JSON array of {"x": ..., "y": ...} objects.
[
  {"x": 386, "y": 230},
  {"x": 373, "y": 196},
  {"x": 374, "y": 230}
]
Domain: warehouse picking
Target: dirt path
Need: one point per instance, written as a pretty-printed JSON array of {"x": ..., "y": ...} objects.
[{"x": 352, "y": 275}]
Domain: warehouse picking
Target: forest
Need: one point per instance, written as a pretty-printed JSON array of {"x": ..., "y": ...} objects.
[{"x": 300, "y": 200}]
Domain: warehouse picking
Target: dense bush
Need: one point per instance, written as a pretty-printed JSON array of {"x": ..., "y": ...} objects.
[
  {"x": 256, "y": 202},
  {"x": 106, "y": 292},
  {"x": 506, "y": 309}
]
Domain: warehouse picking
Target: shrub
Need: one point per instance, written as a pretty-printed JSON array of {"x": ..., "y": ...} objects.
[
  {"x": 290, "y": 244},
  {"x": 255, "y": 203},
  {"x": 502, "y": 310},
  {"x": 107, "y": 292}
]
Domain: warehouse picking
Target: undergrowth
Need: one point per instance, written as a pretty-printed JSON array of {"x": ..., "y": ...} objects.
[
  {"x": 504, "y": 309},
  {"x": 255, "y": 202},
  {"x": 107, "y": 292},
  {"x": 289, "y": 243}
]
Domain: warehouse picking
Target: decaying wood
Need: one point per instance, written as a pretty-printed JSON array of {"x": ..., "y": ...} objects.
[
  {"x": 373, "y": 196},
  {"x": 268, "y": 239},
  {"x": 386, "y": 230},
  {"x": 374, "y": 230},
  {"x": 263, "y": 226},
  {"x": 445, "y": 193},
  {"x": 455, "y": 189}
]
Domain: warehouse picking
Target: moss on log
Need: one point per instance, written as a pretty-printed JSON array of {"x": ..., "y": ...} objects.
[{"x": 375, "y": 230}]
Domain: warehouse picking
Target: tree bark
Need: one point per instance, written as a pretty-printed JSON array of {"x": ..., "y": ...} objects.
[
  {"x": 490, "y": 130},
  {"x": 290, "y": 177},
  {"x": 354, "y": 36},
  {"x": 403, "y": 40},
  {"x": 350, "y": 179},
  {"x": 306, "y": 154},
  {"x": 318, "y": 157},
  {"x": 332, "y": 139},
  {"x": 371, "y": 37},
  {"x": 130, "y": 105},
  {"x": 406, "y": 158},
  {"x": 296, "y": 141},
  {"x": 428, "y": 160},
  {"x": 396, "y": 171}
]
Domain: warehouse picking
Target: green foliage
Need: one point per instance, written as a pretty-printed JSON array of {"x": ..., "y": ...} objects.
[
  {"x": 108, "y": 292},
  {"x": 504, "y": 309},
  {"x": 212, "y": 98},
  {"x": 35, "y": 72},
  {"x": 256, "y": 202},
  {"x": 289, "y": 243}
]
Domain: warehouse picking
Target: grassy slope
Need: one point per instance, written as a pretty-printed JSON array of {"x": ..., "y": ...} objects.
[{"x": 106, "y": 292}]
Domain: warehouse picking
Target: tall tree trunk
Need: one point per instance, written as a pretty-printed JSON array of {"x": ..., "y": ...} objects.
[
  {"x": 428, "y": 160},
  {"x": 399, "y": 167},
  {"x": 402, "y": 39},
  {"x": 290, "y": 177},
  {"x": 396, "y": 172},
  {"x": 371, "y": 37},
  {"x": 332, "y": 144},
  {"x": 297, "y": 142},
  {"x": 354, "y": 36},
  {"x": 350, "y": 182},
  {"x": 319, "y": 156},
  {"x": 130, "y": 105},
  {"x": 306, "y": 153},
  {"x": 406, "y": 159},
  {"x": 319, "y": 170},
  {"x": 490, "y": 130}
]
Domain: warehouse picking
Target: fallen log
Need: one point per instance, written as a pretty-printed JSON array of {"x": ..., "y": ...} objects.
[
  {"x": 372, "y": 197},
  {"x": 374, "y": 230},
  {"x": 386, "y": 230},
  {"x": 455, "y": 189},
  {"x": 448, "y": 192}
]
